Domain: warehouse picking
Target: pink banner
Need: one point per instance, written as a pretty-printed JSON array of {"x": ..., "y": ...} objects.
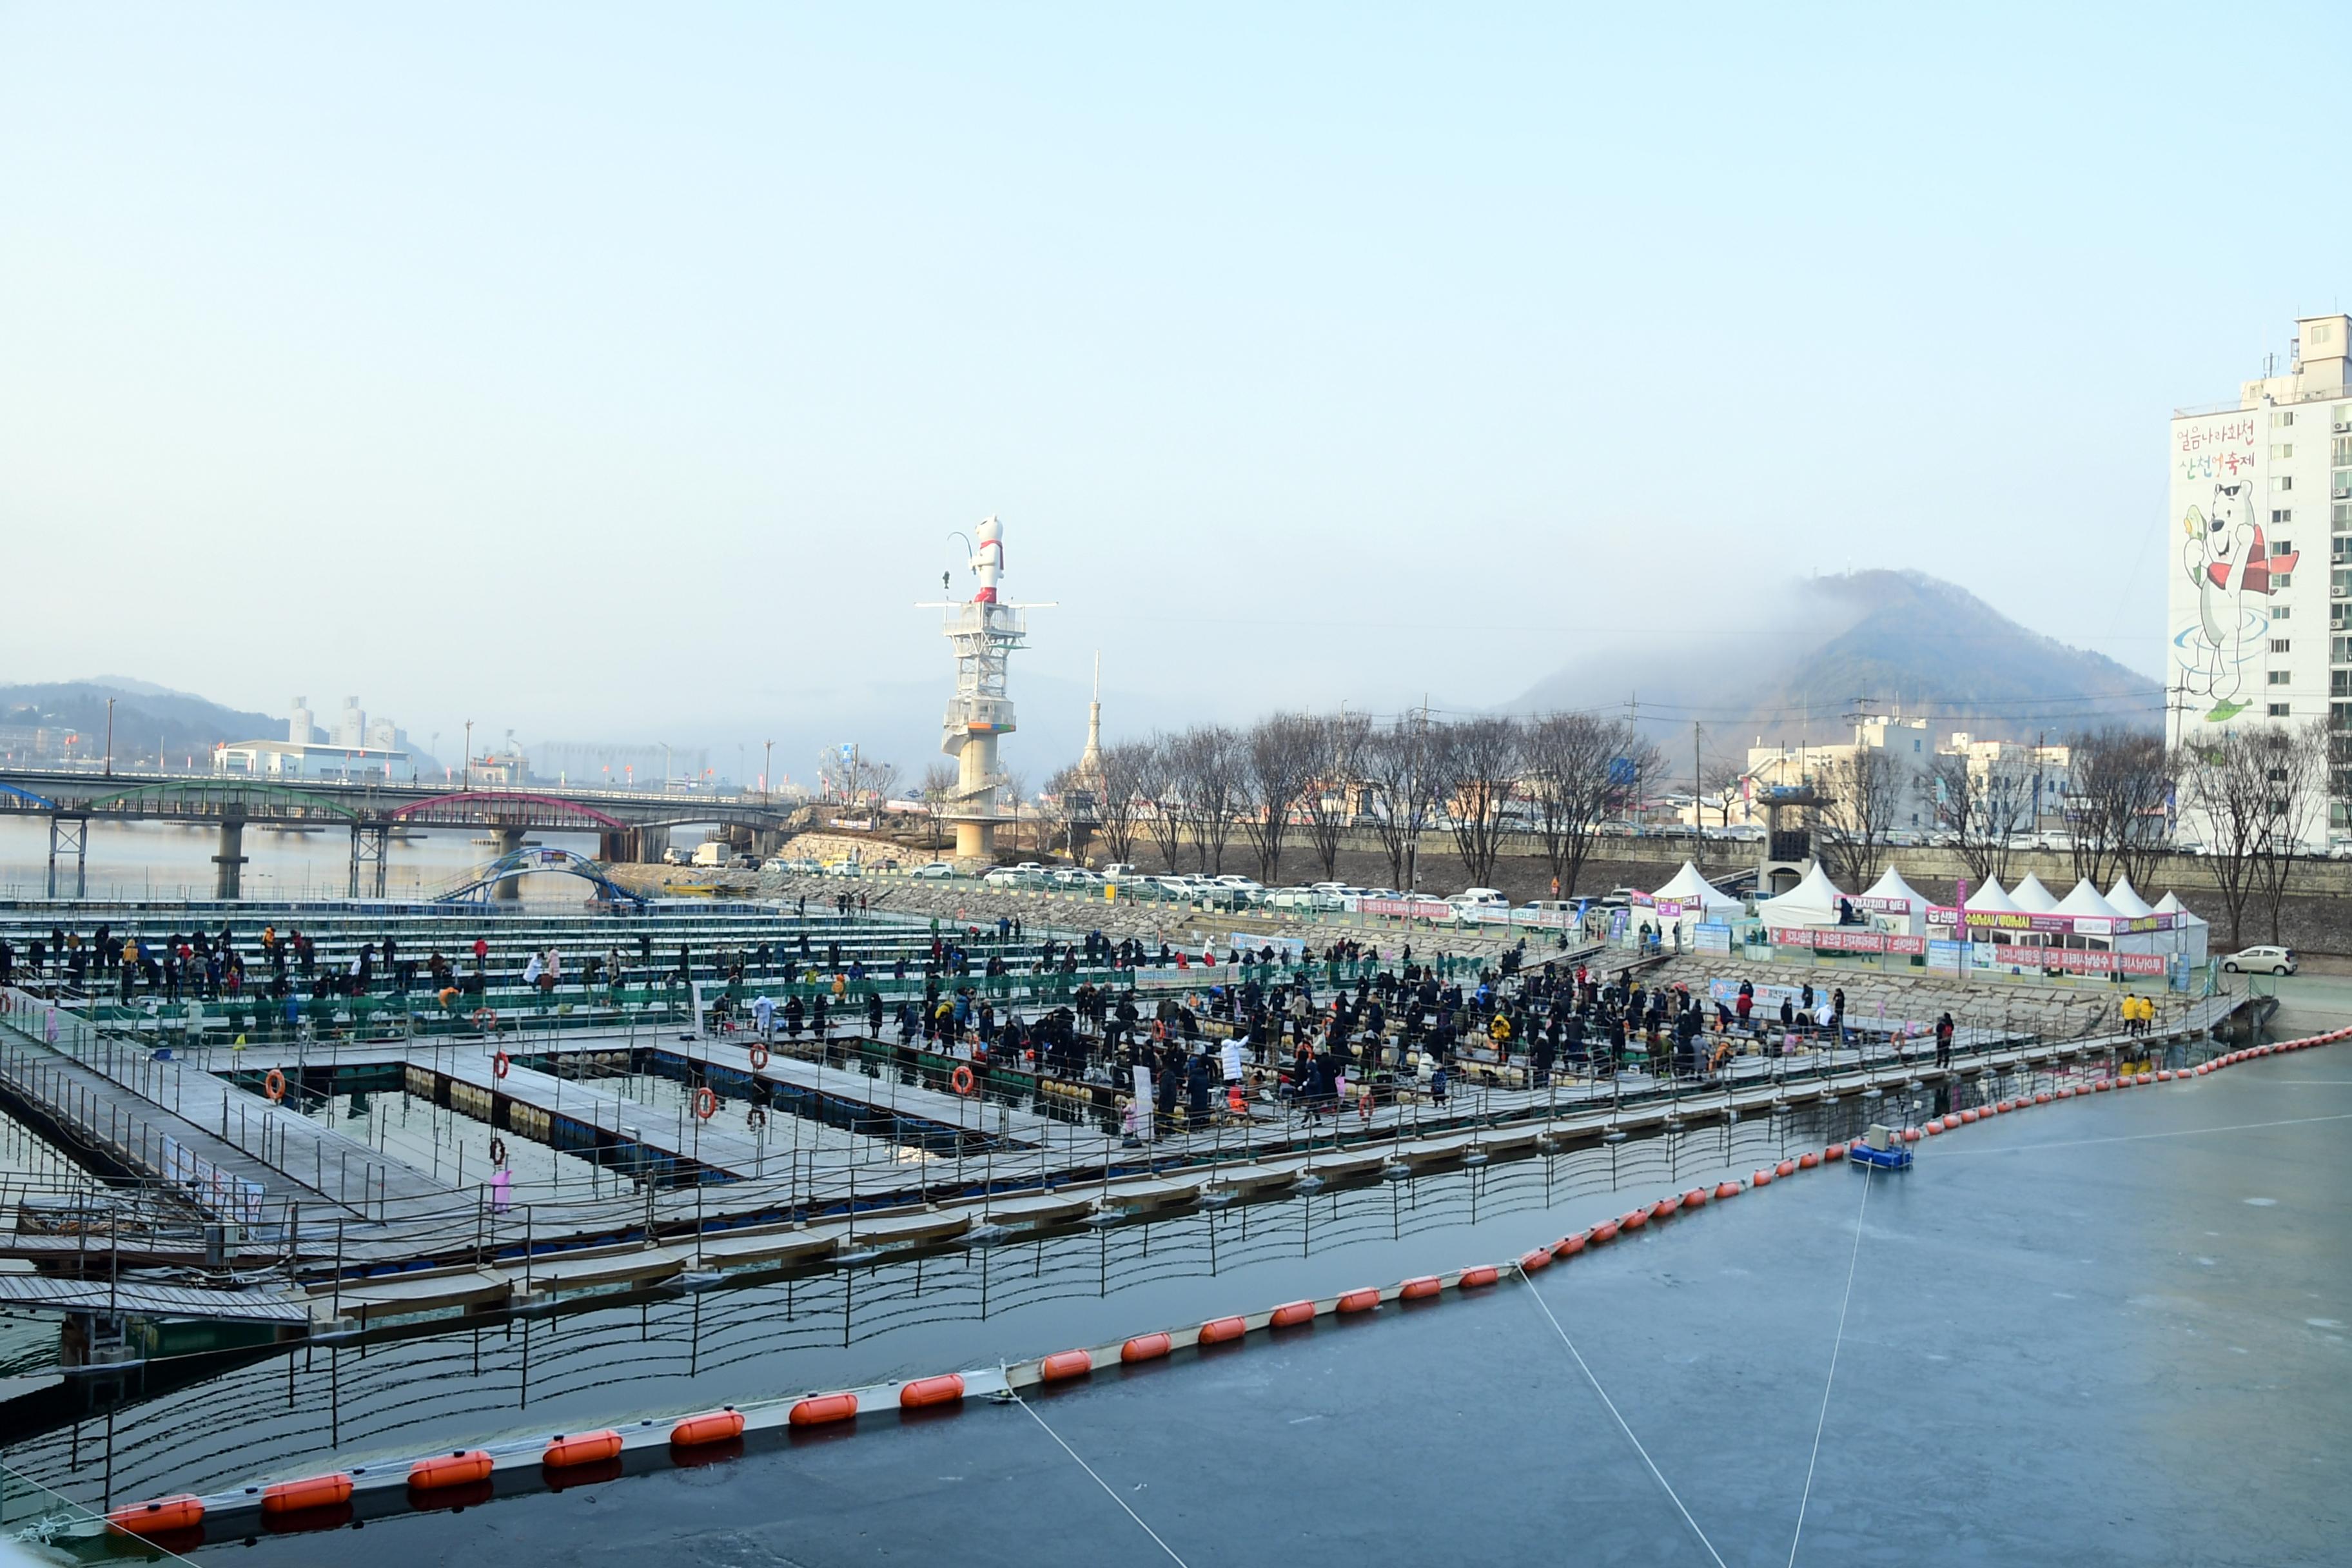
[{"x": 1842, "y": 939}]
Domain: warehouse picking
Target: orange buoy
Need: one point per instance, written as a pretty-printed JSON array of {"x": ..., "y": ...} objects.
[
  {"x": 818, "y": 1409},
  {"x": 1834, "y": 1152},
  {"x": 1605, "y": 1231},
  {"x": 1217, "y": 1331},
  {"x": 1531, "y": 1261},
  {"x": 2164, "y": 1074},
  {"x": 1569, "y": 1246},
  {"x": 1761, "y": 1179},
  {"x": 459, "y": 1468},
  {"x": 1147, "y": 1347},
  {"x": 273, "y": 1086},
  {"x": 1427, "y": 1285},
  {"x": 2147, "y": 1077},
  {"x": 706, "y": 1104},
  {"x": 1968, "y": 1116},
  {"x": 1481, "y": 1274},
  {"x": 1695, "y": 1198},
  {"x": 758, "y": 1057},
  {"x": 1634, "y": 1221},
  {"x": 1063, "y": 1364},
  {"x": 1667, "y": 1205},
  {"x": 1952, "y": 1122},
  {"x": 1785, "y": 1168},
  {"x": 310, "y": 1491},
  {"x": 2043, "y": 1097},
  {"x": 1910, "y": 1135},
  {"x": 1362, "y": 1301},
  {"x": 2104, "y": 1085},
  {"x": 961, "y": 1080},
  {"x": 1807, "y": 1160},
  {"x": 717, "y": 1427},
  {"x": 1291, "y": 1314},
  {"x": 945, "y": 1389},
  {"x": 2062, "y": 1094},
  {"x": 182, "y": 1510},
  {"x": 2005, "y": 1107},
  {"x": 1727, "y": 1189},
  {"x": 499, "y": 1064},
  {"x": 1934, "y": 1130},
  {"x": 583, "y": 1449}
]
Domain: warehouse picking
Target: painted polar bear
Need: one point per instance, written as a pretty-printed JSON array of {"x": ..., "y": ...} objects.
[{"x": 2228, "y": 560}]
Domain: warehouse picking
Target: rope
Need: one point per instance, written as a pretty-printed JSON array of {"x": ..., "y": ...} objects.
[
  {"x": 1666, "y": 1486},
  {"x": 1106, "y": 1484},
  {"x": 1835, "y": 1345},
  {"x": 2142, "y": 1137}
]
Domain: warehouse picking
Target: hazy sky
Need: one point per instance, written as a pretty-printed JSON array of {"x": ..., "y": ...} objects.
[{"x": 622, "y": 371}]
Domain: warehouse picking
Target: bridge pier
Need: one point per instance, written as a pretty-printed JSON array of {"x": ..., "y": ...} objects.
[
  {"x": 69, "y": 836},
  {"x": 371, "y": 847},
  {"x": 510, "y": 890},
  {"x": 228, "y": 874}
]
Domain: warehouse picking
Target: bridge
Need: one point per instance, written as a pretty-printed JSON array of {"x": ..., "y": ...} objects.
[{"x": 627, "y": 823}]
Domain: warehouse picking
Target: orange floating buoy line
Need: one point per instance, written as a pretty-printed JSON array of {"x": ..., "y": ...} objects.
[{"x": 462, "y": 1476}]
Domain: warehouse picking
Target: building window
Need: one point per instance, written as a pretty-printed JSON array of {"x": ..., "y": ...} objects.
[
  {"x": 2282, "y": 449},
  {"x": 2342, "y": 447},
  {"x": 2280, "y": 514},
  {"x": 2279, "y": 644},
  {"x": 2344, "y": 416},
  {"x": 2280, "y": 678},
  {"x": 2281, "y": 580},
  {"x": 2322, "y": 330},
  {"x": 2282, "y": 482},
  {"x": 2280, "y": 547},
  {"x": 2279, "y": 711},
  {"x": 2284, "y": 417},
  {"x": 2340, "y": 517}
]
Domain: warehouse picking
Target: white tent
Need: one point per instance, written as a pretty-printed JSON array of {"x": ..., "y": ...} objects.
[
  {"x": 1690, "y": 887},
  {"x": 2033, "y": 897},
  {"x": 1990, "y": 900},
  {"x": 2127, "y": 901},
  {"x": 2192, "y": 933},
  {"x": 1892, "y": 899},
  {"x": 1813, "y": 902},
  {"x": 2085, "y": 899}
]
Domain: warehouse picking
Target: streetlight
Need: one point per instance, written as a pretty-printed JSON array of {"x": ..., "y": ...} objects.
[
  {"x": 469, "y": 757},
  {"x": 767, "y": 771},
  {"x": 109, "y": 737}
]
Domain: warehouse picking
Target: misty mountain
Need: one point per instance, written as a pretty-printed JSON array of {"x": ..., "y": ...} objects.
[
  {"x": 1790, "y": 663},
  {"x": 145, "y": 715}
]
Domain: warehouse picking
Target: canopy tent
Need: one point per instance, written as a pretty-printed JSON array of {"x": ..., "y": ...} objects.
[
  {"x": 1990, "y": 900},
  {"x": 1813, "y": 902},
  {"x": 1690, "y": 887},
  {"x": 2192, "y": 933},
  {"x": 2127, "y": 901},
  {"x": 2085, "y": 899},
  {"x": 1892, "y": 900},
  {"x": 2031, "y": 896}
]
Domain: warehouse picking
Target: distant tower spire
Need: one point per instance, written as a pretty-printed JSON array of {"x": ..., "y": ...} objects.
[{"x": 1090, "y": 759}]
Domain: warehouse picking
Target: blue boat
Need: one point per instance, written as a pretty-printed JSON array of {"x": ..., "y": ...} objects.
[{"x": 1893, "y": 1157}]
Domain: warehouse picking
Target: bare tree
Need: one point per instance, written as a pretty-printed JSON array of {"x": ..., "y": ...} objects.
[
  {"x": 1118, "y": 798},
  {"x": 1400, "y": 766},
  {"x": 1481, "y": 762},
  {"x": 1278, "y": 765},
  {"x": 2295, "y": 767},
  {"x": 939, "y": 794},
  {"x": 1209, "y": 764},
  {"x": 2225, "y": 792},
  {"x": 881, "y": 779},
  {"x": 1579, "y": 773},
  {"x": 1982, "y": 809},
  {"x": 1158, "y": 789},
  {"x": 1861, "y": 790},
  {"x": 1330, "y": 794},
  {"x": 2119, "y": 784},
  {"x": 1723, "y": 784}
]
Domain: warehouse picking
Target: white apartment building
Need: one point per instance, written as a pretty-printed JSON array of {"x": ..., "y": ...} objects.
[{"x": 2261, "y": 532}]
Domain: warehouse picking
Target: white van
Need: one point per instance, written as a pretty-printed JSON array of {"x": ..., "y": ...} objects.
[{"x": 1480, "y": 899}]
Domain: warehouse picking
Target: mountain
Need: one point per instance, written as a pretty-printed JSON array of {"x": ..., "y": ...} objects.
[
  {"x": 146, "y": 717},
  {"x": 1801, "y": 658}
]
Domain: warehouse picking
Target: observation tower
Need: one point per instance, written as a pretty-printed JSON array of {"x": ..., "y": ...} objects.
[{"x": 983, "y": 630}]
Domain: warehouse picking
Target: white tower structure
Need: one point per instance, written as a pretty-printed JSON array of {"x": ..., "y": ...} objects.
[
  {"x": 1090, "y": 759},
  {"x": 298, "y": 723},
  {"x": 984, "y": 631}
]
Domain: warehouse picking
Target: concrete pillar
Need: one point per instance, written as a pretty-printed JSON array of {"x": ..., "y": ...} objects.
[
  {"x": 229, "y": 873},
  {"x": 509, "y": 840},
  {"x": 616, "y": 846}
]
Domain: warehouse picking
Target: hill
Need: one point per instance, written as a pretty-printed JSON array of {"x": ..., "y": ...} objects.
[
  {"x": 149, "y": 719},
  {"x": 1811, "y": 651}
]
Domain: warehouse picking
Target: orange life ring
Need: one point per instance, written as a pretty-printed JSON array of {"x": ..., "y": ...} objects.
[
  {"x": 499, "y": 1064},
  {"x": 1159, "y": 1029},
  {"x": 273, "y": 1086},
  {"x": 962, "y": 1080},
  {"x": 486, "y": 1017},
  {"x": 705, "y": 1102},
  {"x": 758, "y": 1057}
]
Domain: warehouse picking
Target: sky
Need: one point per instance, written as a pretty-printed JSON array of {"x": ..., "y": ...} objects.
[{"x": 614, "y": 373}]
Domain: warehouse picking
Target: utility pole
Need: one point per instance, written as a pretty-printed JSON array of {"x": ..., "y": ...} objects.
[
  {"x": 109, "y": 737},
  {"x": 767, "y": 773},
  {"x": 1633, "y": 730},
  {"x": 1696, "y": 823},
  {"x": 469, "y": 755}
]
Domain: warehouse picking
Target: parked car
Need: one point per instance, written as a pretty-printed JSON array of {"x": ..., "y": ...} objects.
[
  {"x": 1075, "y": 877},
  {"x": 2262, "y": 960},
  {"x": 933, "y": 870},
  {"x": 1480, "y": 899},
  {"x": 1005, "y": 876},
  {"x": 1244, "y": 888},
  {"x": 674, "y": 856},
  {"x": 1122, "y": 871}
]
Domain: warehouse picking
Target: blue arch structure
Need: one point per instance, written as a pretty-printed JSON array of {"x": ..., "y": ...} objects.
[
  {"x": 531, "y": 861},
  {"x": 28, "y": 797}
]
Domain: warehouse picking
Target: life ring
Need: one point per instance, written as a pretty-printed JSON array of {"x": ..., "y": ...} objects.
[
  {"x": 486, "y": 1017},
  {"x": 273, "y": 1086},
  {"x": 758, "y": 1057},
  {"x": 962, "y": 1080},
  {"x": 755, "y": 1119},
  {"x": 498, "y": 1151},
  {"x": 705, "y": 1102},
  {"x": 1160, "y": 1028},
  {"x": 499, "y": 1064}
]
